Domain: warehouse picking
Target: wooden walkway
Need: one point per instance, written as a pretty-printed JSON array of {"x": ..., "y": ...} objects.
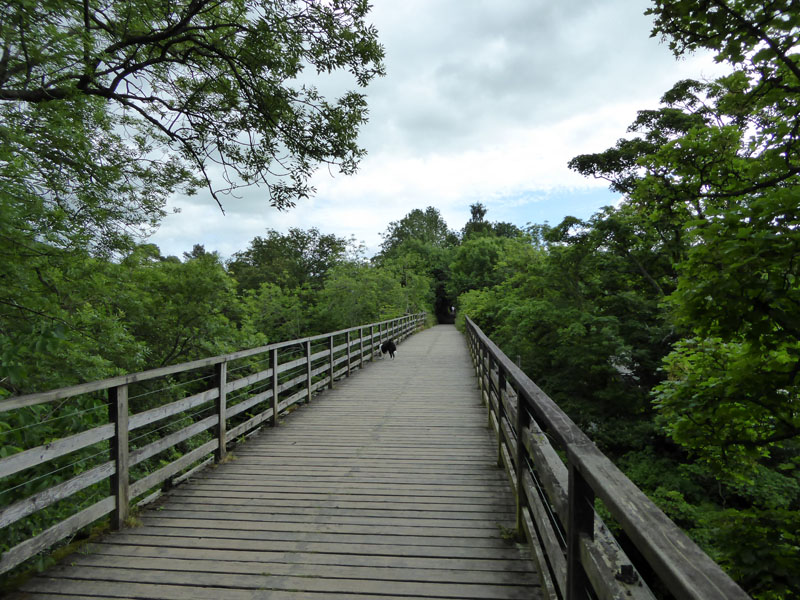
[{"x": 385, "y": 487}]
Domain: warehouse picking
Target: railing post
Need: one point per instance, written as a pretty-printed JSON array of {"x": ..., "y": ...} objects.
[
  {"x": 118, "y": 412},
  {"x": 501, "y": 383},
  {"x": 372, "y": 343},
  {"x": 481, "y": 357},
  {"x": 221, "y": 381},
  {"x": 522, "y": 421},
  {"x": 349, "y": 358},
  {"x": 360, "y": 347},
  {"x": 274, "y": 357},
  {"x": 580, "y": 524},
  {"x": 308, "y": 371},
  {"x": 330, "y": 385}
]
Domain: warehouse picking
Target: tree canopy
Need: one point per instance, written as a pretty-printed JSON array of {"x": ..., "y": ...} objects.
[{"x": 106, "y": 109}]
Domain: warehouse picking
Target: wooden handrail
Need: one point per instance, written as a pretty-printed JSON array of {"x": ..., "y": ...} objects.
[
  {"x": 556, "y": 500},
  {"x": 267, "y": 393}
]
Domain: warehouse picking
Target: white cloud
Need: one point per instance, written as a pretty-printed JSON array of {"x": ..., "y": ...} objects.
[{"x": 484, "y": 101}]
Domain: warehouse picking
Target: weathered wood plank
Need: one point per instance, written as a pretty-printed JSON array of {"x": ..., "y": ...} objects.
[
  {"x": 36, "y": 456},
  {"x": 251, "y": 423},
  {"x": 56, "y": 533},
  {"x": 197, "y": 521},
  {"x": 112, "y": 589},
  {"x": 336, "y": 516},
  {"x": 270, "y": 581},
  {"x": 45, "y": 498},
  {"x": 216, "y": 540},
  {"x": 154, "y": 479},
  {"x": 292, "y": 382},
  {"x": 358, "y": 503},
  {"x": 168, "y": 441},
  {"x": 216, "y": 562},
  {"x": 173, "y": 408},
  {"x": 383, "y": 491},
  {"x": 249, "y": 403},
  {"x": 237, "y": 384},
  {"x": 483, "y": 569},
  {"x": 120, "y": 454}
]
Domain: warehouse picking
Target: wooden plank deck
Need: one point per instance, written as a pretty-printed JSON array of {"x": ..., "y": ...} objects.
[{"x": 385, "y": 487}]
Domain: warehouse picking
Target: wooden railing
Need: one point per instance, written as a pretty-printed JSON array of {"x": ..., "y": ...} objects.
[
  {"x": 577, "y": 554},
  {"x": 267, "y": 381}
]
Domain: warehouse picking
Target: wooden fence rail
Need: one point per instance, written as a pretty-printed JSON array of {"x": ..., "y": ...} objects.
[
  {"x": 578, "y": 555},
  {"x": 277, "y": 377}
]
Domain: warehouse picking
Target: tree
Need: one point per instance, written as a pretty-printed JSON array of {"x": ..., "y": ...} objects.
[
  {"x": 481, "y": 261},
  {"x": 357, "y": 293},
  {"x": 717, "y": 170},
  {"x": 477, "y": 223},
  {"x": 421, "y": 243},
  {"x": 426, "y": 226},
  {"x": 178, "y": 311},
  {"x": 288, "y": 260},
  {"x": 197, "y": 251},
  {"x": 279, "y": 313},
  {"x": 108, "y": 108}
]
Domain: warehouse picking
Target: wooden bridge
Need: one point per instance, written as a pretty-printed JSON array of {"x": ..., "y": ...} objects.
[{"x": 395, "y": 483}]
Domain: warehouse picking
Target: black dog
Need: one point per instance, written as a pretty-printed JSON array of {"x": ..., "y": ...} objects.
[{"x": 388, "y": 347}]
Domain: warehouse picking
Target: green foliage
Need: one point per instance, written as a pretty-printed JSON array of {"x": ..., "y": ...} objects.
[
  {"x": 191, "y": 84},
  {"x": 760, "y": 548},
  {"x": 666, "y": 327},
  {"x": 478, "y": 225},
  {"x": 277, "y": 313},
  {"x": 712, "y": 404},
  {"x": 179, "y": 311},
  {"x": 359, "y": 293},
  {"x": 289, "y": 260},
  {"x": 427, "y": 227},
  {"x": 104, "y": 113},
  {"x": 714, "y": 174},
  {"x": 482, "y": 261}
]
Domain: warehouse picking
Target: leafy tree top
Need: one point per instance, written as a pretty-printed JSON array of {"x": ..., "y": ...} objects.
[
  {"x": 426, "y": 226},
  {"x": 107, "y": 108},
  {"x": 289, "y": 260}
]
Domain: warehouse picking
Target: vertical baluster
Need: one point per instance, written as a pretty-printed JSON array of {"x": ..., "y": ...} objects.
[
  {"x": 221, "y": 381},
  {"x": 501, "y": 409},
  {"x": 372, "y": 342},
  {"x": 330, "y": 371},
  {"x": 308, "y": 371},
  {"x": 118, "y": 413},
  {"x": 274, "y": 356},
  {"x": 360, "y": 347},
  {"x": 349, "y": 357},
  {"x": 580, "y": 524},
  {"x": 522, "y": 421}
]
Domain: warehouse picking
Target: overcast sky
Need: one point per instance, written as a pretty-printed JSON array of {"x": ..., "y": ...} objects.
[{"x": 483, "y": 101}]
